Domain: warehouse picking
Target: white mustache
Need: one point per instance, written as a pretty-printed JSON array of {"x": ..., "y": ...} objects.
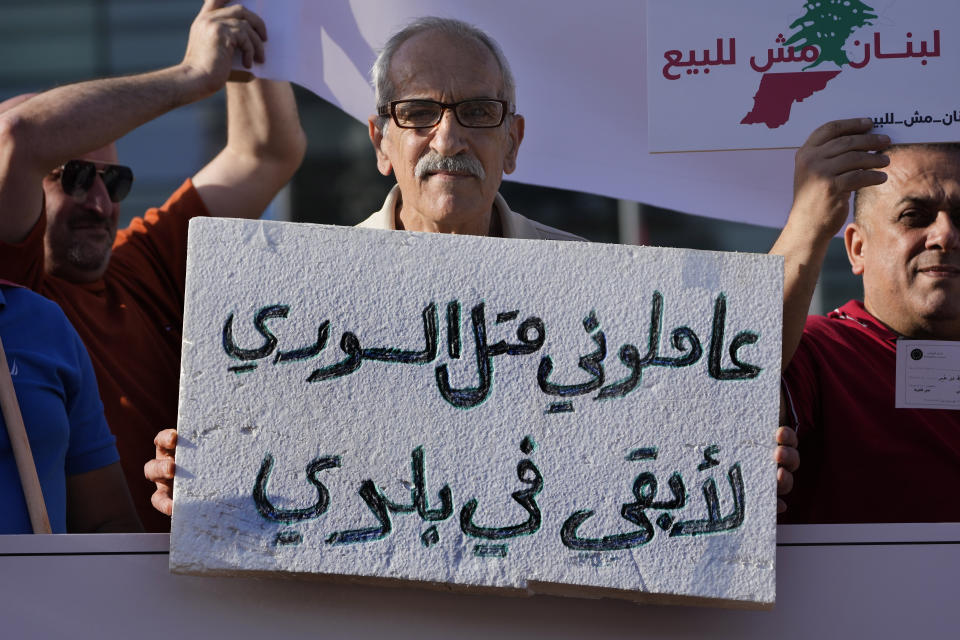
[{"x": 433, "y": 162}]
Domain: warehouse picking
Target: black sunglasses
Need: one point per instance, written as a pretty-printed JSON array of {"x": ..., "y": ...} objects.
[{"x": 77, "y": 177}]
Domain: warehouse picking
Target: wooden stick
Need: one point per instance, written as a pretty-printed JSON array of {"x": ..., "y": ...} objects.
[{"x": 21, "y": 450}]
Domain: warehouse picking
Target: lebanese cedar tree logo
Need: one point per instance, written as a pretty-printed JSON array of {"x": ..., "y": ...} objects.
[{"x": 826, "y": 25}]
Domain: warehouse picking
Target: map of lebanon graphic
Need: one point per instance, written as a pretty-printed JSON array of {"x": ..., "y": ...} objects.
[
  {"x": 778, "y": 92},
  {"x": 826, "y": 25}
]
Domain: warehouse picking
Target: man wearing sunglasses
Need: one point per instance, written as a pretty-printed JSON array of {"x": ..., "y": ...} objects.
[
  {"x": 60, "y": 189},
  {"x": 78, "y": 238}
]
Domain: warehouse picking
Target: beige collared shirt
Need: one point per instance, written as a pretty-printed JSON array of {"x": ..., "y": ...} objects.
[{"x": 512, "y": 224}]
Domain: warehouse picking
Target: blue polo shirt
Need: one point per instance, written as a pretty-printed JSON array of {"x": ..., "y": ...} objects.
[{"x": 61, "y": 407}]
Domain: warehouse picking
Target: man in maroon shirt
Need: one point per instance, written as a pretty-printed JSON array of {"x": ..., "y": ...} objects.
[{"x": 863, "y": 459}]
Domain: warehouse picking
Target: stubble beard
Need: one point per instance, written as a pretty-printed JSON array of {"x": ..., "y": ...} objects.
[{"x": 88, "y": 256}]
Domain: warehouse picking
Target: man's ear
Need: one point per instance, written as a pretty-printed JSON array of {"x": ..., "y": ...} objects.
[
  {"x": 379, "y": 144},
  {"x": 515, "y": 132},
  {"x": 854, "y": 240}
]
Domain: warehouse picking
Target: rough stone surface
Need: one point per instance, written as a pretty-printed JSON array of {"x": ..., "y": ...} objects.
[{"x": 582, "y": 451}]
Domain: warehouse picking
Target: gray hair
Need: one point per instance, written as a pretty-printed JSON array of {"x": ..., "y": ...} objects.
[
  {"x": 380, "y": 73},
  {"x": 861, "y": 196}
]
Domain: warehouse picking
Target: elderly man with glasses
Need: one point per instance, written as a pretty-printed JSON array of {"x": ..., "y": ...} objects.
[
  {"x": 60, "y": 188},
  {"x": 447, "y": 129}
]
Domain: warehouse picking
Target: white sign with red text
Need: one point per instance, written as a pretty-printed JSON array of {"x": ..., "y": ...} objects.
[{"x": 723, "y": 81}]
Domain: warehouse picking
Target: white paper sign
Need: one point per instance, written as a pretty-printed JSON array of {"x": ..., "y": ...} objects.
[
  {"x": 928, "y": 374},
  {"x": 765, "y": 74},
  {"x": 528, "y": 415}
]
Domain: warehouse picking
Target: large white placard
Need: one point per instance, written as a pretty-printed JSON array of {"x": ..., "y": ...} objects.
[
  {"x": 528, "y": 415},
  {"x": 761, "y": 74}
]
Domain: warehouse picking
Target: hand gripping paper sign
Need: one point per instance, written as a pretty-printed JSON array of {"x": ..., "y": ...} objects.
[{"x": 478, "y": 413}]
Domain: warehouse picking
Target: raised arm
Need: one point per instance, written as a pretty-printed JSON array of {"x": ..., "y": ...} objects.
[
  {"x": 265, "y": 145},
  {"x": 39, "y": 134},
  {"x": 837, "y": 159}
]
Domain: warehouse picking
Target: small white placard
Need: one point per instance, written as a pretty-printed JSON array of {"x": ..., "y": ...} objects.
[
  {"x": 928, "y": 374},
  {"x": 541, "y": 416}
]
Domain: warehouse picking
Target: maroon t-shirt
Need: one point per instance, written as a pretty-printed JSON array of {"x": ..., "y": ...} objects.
[{"x": 861, "y": 459}]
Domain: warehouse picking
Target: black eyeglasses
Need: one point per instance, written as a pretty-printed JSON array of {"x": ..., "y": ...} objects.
[
  {"x": 77, "y": 177},
  {"x": 421, "y": 114}
]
